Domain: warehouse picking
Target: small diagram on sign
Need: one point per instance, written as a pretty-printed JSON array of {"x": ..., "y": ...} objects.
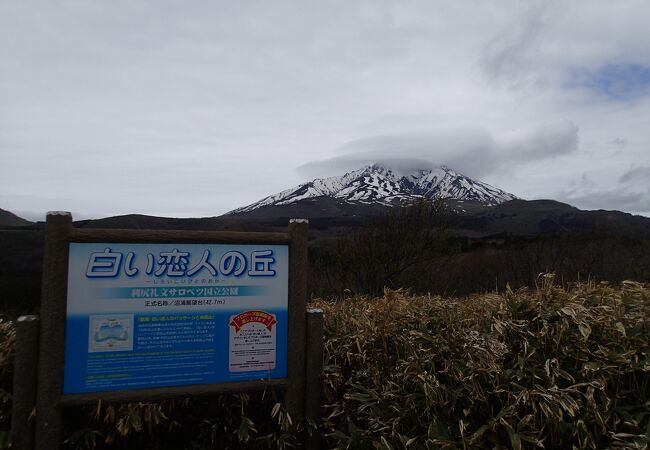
[
  {"x": 252, "y": 341},
  {"x": 110, "y": 333}
]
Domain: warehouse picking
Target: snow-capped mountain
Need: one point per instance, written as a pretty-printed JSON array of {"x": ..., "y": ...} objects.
[{"x": 378, "y": 184}]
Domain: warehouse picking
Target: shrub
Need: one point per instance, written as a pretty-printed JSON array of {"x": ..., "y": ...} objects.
[
  {"x": 392, "y": 250},
  {"x": 548, "y": 368},
  {"x": 7, "y": 339}
]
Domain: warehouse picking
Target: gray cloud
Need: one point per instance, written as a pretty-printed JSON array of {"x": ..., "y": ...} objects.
[
  {"x": 640, "y": 175},
  {"x": 470, "y": 150},
  {"x": 545, "y": 140},
  {"x": 618, "y": 198},
  {"x": 632, "y": 193},
  {"x": 508, "y": 58}
]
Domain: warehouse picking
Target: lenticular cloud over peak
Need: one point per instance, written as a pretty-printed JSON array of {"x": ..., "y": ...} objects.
[{"x": 471, "y": 150}]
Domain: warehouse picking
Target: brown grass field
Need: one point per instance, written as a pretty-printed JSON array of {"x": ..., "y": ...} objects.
[{"x": 533, "y": 368}]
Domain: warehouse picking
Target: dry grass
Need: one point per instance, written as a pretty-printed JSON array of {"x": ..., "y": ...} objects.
[
  {"x": 544, "y": 368},
  {"x": 7, "y": 339}
]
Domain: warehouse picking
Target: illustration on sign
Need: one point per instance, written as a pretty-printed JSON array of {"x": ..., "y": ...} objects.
[
  {"x": 110, "y": 333},
  {"x": 155, "y": 315}
]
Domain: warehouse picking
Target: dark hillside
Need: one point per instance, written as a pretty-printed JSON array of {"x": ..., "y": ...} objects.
[
  {"x": 9, "y": 219},
  {"x": 486, "y": 248},
  {"x": 21, "y": 261},
  {"x": 535, "y": 217},
  {"x": 143, "y": 222}
]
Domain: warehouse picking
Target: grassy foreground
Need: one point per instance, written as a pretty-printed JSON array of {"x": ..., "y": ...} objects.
[{"x": 547, "y": 368}]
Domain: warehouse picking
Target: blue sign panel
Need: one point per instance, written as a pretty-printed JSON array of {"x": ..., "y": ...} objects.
[{"x": 156, "y": 315}]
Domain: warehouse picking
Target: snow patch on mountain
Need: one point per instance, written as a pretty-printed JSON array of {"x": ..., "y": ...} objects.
[{"x": 378, "y": 183}]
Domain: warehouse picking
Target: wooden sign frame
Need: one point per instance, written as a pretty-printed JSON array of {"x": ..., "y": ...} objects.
[{"x": 59, "y": 233}]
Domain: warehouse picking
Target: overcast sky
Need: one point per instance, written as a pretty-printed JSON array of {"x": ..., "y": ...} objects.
[{"x": 194, "y": 108}]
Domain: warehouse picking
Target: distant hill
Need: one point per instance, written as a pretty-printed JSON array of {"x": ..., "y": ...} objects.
[
  {"x": 330, "y": 215},
  {"x": 539, "y": 217},
  {"x": 9, "y": 219},
  {"x": 143, "y": 222}
]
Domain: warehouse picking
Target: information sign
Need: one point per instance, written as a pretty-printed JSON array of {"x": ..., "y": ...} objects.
[{"x": 155, "y": 315}]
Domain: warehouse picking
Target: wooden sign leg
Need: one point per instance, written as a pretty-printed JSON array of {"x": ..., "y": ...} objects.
[
  {"x": 298, "y": 266},
  {"x": 314, "y": 370},
  {"x": 52, "y": 336},
  {"x": 24, "y": 395}
]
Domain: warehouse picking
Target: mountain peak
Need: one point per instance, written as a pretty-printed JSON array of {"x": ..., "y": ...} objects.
[{"x": 385, "y": 185}]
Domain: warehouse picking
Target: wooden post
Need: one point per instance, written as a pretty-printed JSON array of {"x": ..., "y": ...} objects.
[
  {"x": 314, "y": 369},
  {"x": 52, "y": 335},
  {"x": 24, "y": 396},
  {"x": 295, "y": 395}
]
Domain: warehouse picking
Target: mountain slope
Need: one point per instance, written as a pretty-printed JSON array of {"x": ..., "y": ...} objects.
[
  {"x": 9, "y": 219},
  {"x": 380, "y": 185}
]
